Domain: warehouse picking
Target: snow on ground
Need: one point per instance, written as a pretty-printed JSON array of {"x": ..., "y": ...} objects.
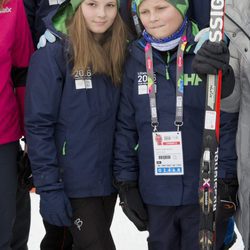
[{"x": 125, "y": 235}]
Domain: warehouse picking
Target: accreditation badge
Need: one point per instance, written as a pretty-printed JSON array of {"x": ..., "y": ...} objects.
[{"x": 168, "y": 153}]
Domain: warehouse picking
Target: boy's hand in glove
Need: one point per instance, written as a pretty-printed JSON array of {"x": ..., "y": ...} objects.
[
  {"x": 132, "y": 204},
  {"x": 211, "y": 58}
]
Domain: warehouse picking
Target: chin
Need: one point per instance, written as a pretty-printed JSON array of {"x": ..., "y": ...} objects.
[
  {"x": 102, "y": 29},
  {"x": 159, "y": 35},
  {"x": 99, "y": 31}
]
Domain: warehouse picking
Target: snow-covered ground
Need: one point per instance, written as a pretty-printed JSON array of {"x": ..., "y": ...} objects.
[{"x": 125, "y": 235}]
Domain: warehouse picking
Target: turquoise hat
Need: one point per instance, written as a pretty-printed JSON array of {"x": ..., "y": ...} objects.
[
  {"x": 67, "y": 10},
  {"x": 180, "y": 5}
]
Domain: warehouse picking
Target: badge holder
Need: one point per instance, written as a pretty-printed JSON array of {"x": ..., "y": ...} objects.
[{"x": 167, "y": 146}]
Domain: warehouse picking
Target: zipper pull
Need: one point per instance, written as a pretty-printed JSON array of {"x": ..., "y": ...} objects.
[
  {"x": 167, "y": 66},
  {"x": 64, "y": 148},
  {"x": 167, "y": 73}
]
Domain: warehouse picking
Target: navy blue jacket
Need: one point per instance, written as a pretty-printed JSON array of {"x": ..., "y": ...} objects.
[
  {"x": 134, "y": 126},
  {"x": 69, "y": 131}
]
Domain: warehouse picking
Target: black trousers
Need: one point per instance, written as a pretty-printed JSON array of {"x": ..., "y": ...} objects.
[
  {"x": 178, "y": 228},
  {"x": 56, "y": 238},
  {"x": 21, "y": 227},
  {"x": 92, "y": 218},
  {"x": 14, "y": 202}
]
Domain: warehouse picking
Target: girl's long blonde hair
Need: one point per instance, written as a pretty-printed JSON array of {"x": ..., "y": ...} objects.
[{"x": 103, "y": 57}]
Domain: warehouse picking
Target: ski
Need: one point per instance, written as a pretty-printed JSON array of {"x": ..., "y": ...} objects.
[{"x": 210, "y": 149}]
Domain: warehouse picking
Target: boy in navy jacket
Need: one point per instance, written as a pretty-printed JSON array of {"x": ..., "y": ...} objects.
[{"x": 164, "y": 200}]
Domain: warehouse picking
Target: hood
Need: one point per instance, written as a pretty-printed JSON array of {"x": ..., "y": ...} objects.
[
  {"x": 49, "y": 23},
  {"x": 239, "y": 12}
]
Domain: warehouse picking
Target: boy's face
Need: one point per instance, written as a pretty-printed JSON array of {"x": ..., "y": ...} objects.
[
  {"x": 99, "y": 15},
  {"x": 159, "y": 18}
]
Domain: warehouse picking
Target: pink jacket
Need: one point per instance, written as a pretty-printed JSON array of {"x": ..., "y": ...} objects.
[{"x": 16, "y": 48}]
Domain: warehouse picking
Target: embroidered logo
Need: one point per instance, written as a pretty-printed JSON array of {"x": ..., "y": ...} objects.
[
  {"x": 78, "y": 222},
  {"x": 83, "y": 80},
  {"x": 5, "y": 10},
  {"x": 192, "y": 80}
]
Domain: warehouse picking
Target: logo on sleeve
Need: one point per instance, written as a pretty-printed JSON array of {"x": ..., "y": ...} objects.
[
  {"x": 5, "y": 10},
  {"x": 142, "y": 79}
]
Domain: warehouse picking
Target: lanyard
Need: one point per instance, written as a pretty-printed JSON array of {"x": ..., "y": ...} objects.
[{"x": 179, "y": 84}]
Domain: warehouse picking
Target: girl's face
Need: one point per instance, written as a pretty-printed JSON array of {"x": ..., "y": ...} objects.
[
  {"x": 159, "y": 18},
  {"x": 99, "y": 15}
]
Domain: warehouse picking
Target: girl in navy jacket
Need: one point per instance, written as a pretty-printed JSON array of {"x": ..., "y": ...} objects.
[
  {"x": 158, "y": 184},
  {"x": 71, "y": 103}
]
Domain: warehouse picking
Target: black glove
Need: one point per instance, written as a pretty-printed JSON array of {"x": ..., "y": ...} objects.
[
  {"x": 212, "y": 57},
  {"x": 25, "y": 180},
  {"x": 132, "y": 204},
  {"x": 227, "y": 197}
]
